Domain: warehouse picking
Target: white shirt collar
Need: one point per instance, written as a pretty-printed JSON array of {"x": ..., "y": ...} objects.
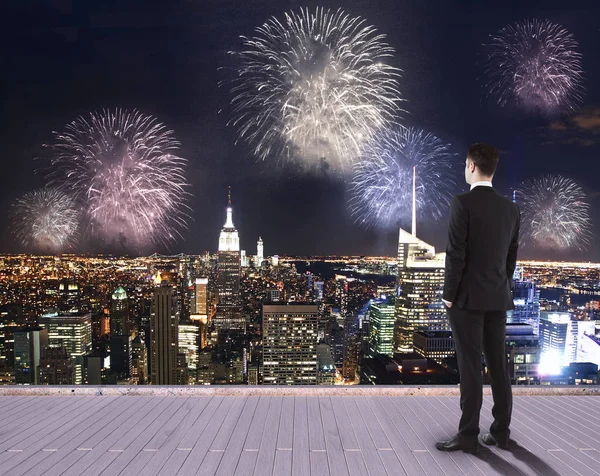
[{"x": 481, "y": 184}]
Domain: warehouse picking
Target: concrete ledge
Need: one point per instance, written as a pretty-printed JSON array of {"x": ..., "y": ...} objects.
[{"x": 266, "y": 390}]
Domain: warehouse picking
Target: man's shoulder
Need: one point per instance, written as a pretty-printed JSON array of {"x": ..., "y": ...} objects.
[{"x": 474, "y": 196}]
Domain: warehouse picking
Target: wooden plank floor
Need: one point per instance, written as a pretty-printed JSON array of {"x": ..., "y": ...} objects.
[{"x": 280, "y": 436}]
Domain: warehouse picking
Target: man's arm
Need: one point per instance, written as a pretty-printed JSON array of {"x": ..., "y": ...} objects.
[
  {"x": 456, "y": 249},
  {"x": 511, "y": 259}
]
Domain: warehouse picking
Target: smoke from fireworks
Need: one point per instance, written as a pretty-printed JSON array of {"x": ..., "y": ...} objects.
[
  {"x": 314, "y": 88},
  {"x": 382, "y": 184},
  {"x": 46, "y": 219},
  {"x": 535, "y": 65},
  {"x": 122, "y": 166},
  {"x": 554, "y": 214}
]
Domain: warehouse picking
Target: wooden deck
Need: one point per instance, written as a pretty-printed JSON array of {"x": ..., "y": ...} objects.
[{"x": 296, "y": 435}]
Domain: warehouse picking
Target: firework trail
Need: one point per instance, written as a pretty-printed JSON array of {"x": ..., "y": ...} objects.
[
  {"x": 554, "y": 214},
  {"x": 535, "y": 65},
  {"x": 123, "y": 168},
  {"x": 46, "y": 219},
  {"x": 314, "y": 88},
  {"x": 382, "y": 185}
]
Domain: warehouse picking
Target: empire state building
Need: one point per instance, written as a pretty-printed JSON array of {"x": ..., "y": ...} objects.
[{"x": 229, "y": 306}]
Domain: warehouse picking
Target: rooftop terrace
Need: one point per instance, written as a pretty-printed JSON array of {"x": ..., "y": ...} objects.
[{"x": 285, "y": 431}]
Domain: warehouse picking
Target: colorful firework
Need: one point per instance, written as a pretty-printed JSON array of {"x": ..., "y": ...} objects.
[
  {"x": 314, "y": 88},
  {"x": 46, "y": 219},
  {"x": 534, "y": 64},
  {"x": 382, "y": 187},
  {"x": 554, "y": 214},
  {"x": 124, "y": 169}
]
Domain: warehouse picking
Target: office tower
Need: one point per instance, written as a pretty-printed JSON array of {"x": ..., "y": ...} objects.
[
  {"x": 260, "y": 250},
  {"x": 73, "y": 333},
  {"x": 318, "y": 290},
  {"x": 419, "y": 305},
  {"x": 183, "y": 373},
  {"x": 524, "y": 352},
  {"x": 243, "y": 259},
  {"x": 275, "y": 261},
  {"x": 139, "y": 357},
  {"x": 205, "y": 374},
  {"x": 120, "y": 338},
  {"x": 11, "y": 320},
  {"x": 56, "y": 367},
  {"x": 200, "y": 308},
  {"x": 382, "y": 318},
  {"x": 68, "y": 297},
  {"x": 119, "y": 313},
  {"x": 527, "y": 305},
  {"x": 578, "y": 331},
  {"x": 92, "y": 370},
  {"x": 289, "y": 344},
  {"x": 189, "y": 338},
  {"x": 229, "y": 308},
  {"x": 554, "y": 328},
  {"x": 309, "y": 284},
  {"x": 29, "y": 343},
  {"x": 163, "y": 336},
  {"x": 326, "y": 366},
  {"x": 588, "y": 349},
  {"x": 351, "y": 353},
  {"x": 434, "y": 345}
]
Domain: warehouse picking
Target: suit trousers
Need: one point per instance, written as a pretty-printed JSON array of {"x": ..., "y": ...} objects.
[{"x": 474, "y": 333}]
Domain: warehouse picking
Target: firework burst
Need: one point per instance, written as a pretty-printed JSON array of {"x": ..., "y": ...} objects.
[
  {"x": 314, "y": 87},
  {"x": 382, "y": 184},
  {"x": 534, "y": 64},
  {"x": 124, "y": 169},
  {"x": 554, "y": 214},
  {"x": 46, "y": 219}
]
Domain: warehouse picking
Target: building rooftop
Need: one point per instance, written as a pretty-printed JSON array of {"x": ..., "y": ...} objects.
[{"x": 285, "y": 431}]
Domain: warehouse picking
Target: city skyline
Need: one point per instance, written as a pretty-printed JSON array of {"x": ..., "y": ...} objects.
[{"x": 290, "y": 210}]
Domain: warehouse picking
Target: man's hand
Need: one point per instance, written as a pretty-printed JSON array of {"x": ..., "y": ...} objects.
[{"x": 447, "y": 303}]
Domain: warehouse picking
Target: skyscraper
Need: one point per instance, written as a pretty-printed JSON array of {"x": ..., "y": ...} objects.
[
  {"x": 189, "y": 338},
  {"x": 260, "y": 252},
  {"x": 163, "y": 336},
  {"x": 419, "y": 305},
  {"x": 229, "y": 308},
  {"x": 73, "y": 333},
  {"x": 290, "y": 344},
  {"x": 382, "y": 323},
  {"x": 200, "y": 309},
  {"x": 119, "y": 313},
  {"x": 527, "y": 304},
  {"x": 29, "y": 343},
  {"x": 120, "y": 338}
]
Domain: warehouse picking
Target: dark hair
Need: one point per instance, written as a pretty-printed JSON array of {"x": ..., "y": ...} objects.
[{"x": 485, "y": 157}]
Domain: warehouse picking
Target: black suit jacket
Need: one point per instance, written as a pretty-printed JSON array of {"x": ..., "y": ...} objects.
[{"x": 481, "y": 255}]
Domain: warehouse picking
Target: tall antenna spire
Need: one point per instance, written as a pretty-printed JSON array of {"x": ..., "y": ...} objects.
[
  {"x": 414, "y": 202},
  {"x": 229, "y": 196}
]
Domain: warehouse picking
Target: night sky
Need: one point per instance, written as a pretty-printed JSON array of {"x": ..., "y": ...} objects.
[{"x": 61, "y": 59}]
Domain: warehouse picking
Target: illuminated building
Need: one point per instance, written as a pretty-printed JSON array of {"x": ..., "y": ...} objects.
[
  {"x": 73, "y": 333},
  {"x": 382, "y": 321},
  {"x": 120, "y": 338},
  {"x": 275, "y": 261},
  {"x": 419, "y": 305},
  {"x": 243, "y": 259},
  {"x": 260, "y": 252},
  {"x": 139, "y": 357},
  {"x": 560, "y": 338},
  {"x": 200, "y": 307},
  {"x": 68, "y": 294},
  {"x": 189, "y": 336},
  {"x": 327, "y": 370},
  {"x": 163, "y": 336},
  {"x": 289, "y": 344},
  {"x": 588, "y": 349},
  {"x": 527, "y": 304},
  {"x": 29, "y": 343},
  {"x": 434, "y": 345},
  {"x": 119, "y": 313},
  {"x": 56, "y": 368},
  {"x": 524, "y": 353},
  {"x": 229, "y": 307}
]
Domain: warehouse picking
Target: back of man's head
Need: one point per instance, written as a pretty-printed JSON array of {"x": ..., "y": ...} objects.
[{"x": 485, "y": 157}]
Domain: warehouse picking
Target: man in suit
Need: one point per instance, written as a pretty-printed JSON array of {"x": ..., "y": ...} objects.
[{"x": 481, "y": 256}]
